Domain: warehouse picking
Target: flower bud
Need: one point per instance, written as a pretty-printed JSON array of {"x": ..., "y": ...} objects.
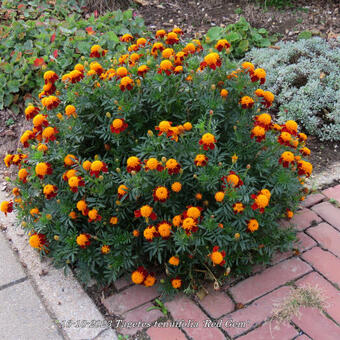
[
  {"x": 19, "y": 150},
  {"x": 56, "y": 237},
  {"x": 206, "y": 203},
  {"x": 107, "y": 147},
  {"x": 248, "y": 166},
  {"x": 68, "y": 261},
  {"x": 213, "y": 87},
  {"x": 49, "y": 216},
  {"x": 133, "y": 172},
  {"x": 181, "y": 171},
  {"x": 118, "y": 170},
  {"x": 24, "y": 224},
  {"x": 108, "y": 114},
  {"x": 118, "y": 202},
  {"x": 96, "y": 157},
  {"x": 150, "y": 133},
  {"x": 164, "y": 159},
  {"x": 101, "y": 177},
  {"x": 211, "y": 112}
]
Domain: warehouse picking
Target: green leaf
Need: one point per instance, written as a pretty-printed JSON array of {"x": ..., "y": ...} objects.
[
  {"x": 233, "y": 36},
  {"x": 305, "y": 35},
  {"x": 215, "y": 33},
  {"x": 243, "y": 45},
  {"x": 13, "y": 86}
]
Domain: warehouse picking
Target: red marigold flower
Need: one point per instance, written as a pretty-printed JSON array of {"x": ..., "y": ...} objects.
[
  {"x": 304, "y": 168},
  {"x": 139, "y": 275},
  {"x": 50, "y": 77},
  {"x": 176, "y": 283},
  {"x": 38, "y": 241},
  {"x": 50, "y": 102},
  {"x": 264, "y": 120},
  {"x": 259, "y": 74},
  {"x": 201, "y": 160},
  {"x": 287, "y": 158},
  {"x": 49, "y": 134},
  {"x": 156, "y": 47},
  {"x": 133, "y": 164},
  {"x": 160, "y": 34},
  {"x": 217, "y": 257},
  {"x": 258, "y": 132},
  {"x": 164, "y": 229},
  {"x": 83, "y": 240},
  {"x": 50, "y": 191},
  {"x": 247, "y": 102},
  {"x": 126, "y": 83},
  {"x": 291, "y": 127},
  {"x": 31, "y": 111},
  {"x": 126, "y": 38},
  {"x": 94, "y": 216},
  {"x": 39, "y": 62},
  {"x": 212, "y": 60},
  {"x": 90, "y": 30},
  {"x": 260, "y": 202},
  {"x": 142, "y": 70},
  {"x": 171, "y": 38},
  {"x": 232, "y": 180},
  {"x": 74, "y": 182},
  {"x": 6, "y": 207},
  {"x": 208, "y": 141},
  {"x": 222, "y": 44},
  {"x": 238, "y": 207},
  {"x": 166, "y": 66},
  {"x": 48, "y": 89},
  {"x": 284, "y": 138},
  {"x": 43, "y": 169},
  {"x": 248, "y": 67},
  {"x": 153, "y": 164},
  {"x": 97, "y": 167},
  {"x": 146, "y": 211},
  {"x": 118, "y": 125},
  {"x": 173, "y": 166}
]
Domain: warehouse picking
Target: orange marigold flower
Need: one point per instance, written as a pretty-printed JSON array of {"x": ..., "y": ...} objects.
[
  {"x": 174, "y": 261},
  {"x": 50, "y": 102},
  {"x": 201, "y": 160},
  {"x": 291, "y": 127},
  {"x": 160, "y": 34},
  {"x": 68, "y": 174},
  {"x": 96, "y": 67},
  {"x": 122, "y": 190},
  {"x": 304, "y": 168},
  {"x": 286, "y": 158},
  {"x": 150, "y": 280},
  {"x": 248, "y": 67},
  {"x": 208, "y": 141},
  {"x": 6, "y": 207},
  {"x": 26, "y": 136},
  {"x": 173, "y": 166},
  {"x": 260, "y": 202},
  {"x": 86, "y": 165},
  {"x": 139, "y": 275},
  {"x": 219, "y": 196},
  {"x": 268, "y": 99},
  {"x": 22, "y": 174},
  {"x": 179, "y": 57},
  {"x": 72, "y": 215},
  {"x": 50, "y": 191},
  {"x": 105, "y": 249},
  {"x": 178, "y": 70},
  {"x": 50, "y": 77},
  {"x": 164, "y": 229},
  {"x": 135, "y": 233},
  {"x": 79, "y": 67},
  {"x": 253, "y": 225},
  {"x": 8, "y": 160},
  {"x": 16, "y": 191},
  {"x": 305, "y": 151},
  {"x": 70, "y": 110},
  {"x": 163, "y": 127},
  {"x": 176, "y": 283},
  {"x": 217, "y": 257},
  {"x": 142, "y": 70},
  {"x": 74, "y": 182},
  {"x": 31, "y": 111},
  {"x": 160, "y": 194},
  {"x": 247, "y": 102},
  {"x": 97, "y": 51},
  {"x": 156, "y": 47},
  {"x": 97, "y": 167},
  {"x": 264, "y": 120},
  {"x": 171, "y": 38},
  {"x": 168, "y": 53},
  {"x": 49, "y": 89},
  {"x": 189, "y": 48},
  {"x": 187, "y": 126},
  {"x": 193, "y": 212},
  {"x": 259, "y": 74},
  {"x": 166, "y": 66},
  {"x": 43, "y": 169},
  {"x": 83, "y": 240},
  {"x": 266, "y": 192},
  {"x": 145, "y": 211},
  {"x": 177, "y": 220},
  {"x": 212, "y": 60},
  {"x": 189, "y": 225},
  {"x": 224, "y": 93},
  {"x": 38, "y": 241},
  {"x": 222, "y": 44},
  {"x": 70, "y": 160},
  {"x": 232, "y": 180},
  {"x": 93, "y": 215},
  {"x": 176, "y": 187},
  {"x": 153, "y": 164},
  {"x": 289, "y": 213},
  {"x": 126, "y": 83},
  {"x": 118, "y": 125},
  {"x": 35, "y": 212},
  {"x": 285, "y": 138},
  {"x": 258, "y": 132},
  {"x": 49, "y": 134},
  {"x": 133, "y": 164},
  {"x": 302, "y": 137},
  {"x": 238, "y": 207},
  {"x": 234, "y": 158},
  {"x": 150, "y": 232},
  {"x": 39, "y": 121},
  {"x": 126, "y": 37},
  {"x": 114, "y": 220},
  {"x": 141, "y": 42}
]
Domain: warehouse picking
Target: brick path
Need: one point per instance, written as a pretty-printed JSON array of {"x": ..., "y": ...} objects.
[{"x": 318, "y": 264}]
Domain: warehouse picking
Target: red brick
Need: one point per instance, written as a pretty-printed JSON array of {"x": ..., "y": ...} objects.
[
  {"x": 304, "y": 218},
  {"x": 217, "y": 303},
  {"x": 122, "y": 282},
  {"x": 333, "y": 193},
  {"x": 303, "y": 337},
  {"x": 257, "y": 312},
  {"x": 331, "y": 294},
  {"x": 303, "y": 243},
  {"x": 257, "y": 285},
  {"x": 324, "y": 262},
  {"x": 182, "y": 308},
  {"x": 273, "y": 331},
  {"x": 317, "y": 325},
  {"x": 311, "y": 200},
  {"x": 171, "y": 333},
  {"x": 327, "y": 236},
  {"x": 329, "y": 213},
  {"x": 140, "y": 315},
  {"x": 129, "y": 298}
]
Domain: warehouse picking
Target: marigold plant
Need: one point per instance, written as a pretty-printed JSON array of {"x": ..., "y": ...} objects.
[{"x": 147, "y": 169}]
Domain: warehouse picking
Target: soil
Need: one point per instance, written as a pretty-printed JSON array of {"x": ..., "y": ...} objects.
[{"x": 321, "y": 17}]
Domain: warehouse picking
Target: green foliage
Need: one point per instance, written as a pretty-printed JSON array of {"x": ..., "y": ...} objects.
[
  {"x": 110, "y": 237},
  {"x": 35, "y": 39},
  {"x": 280, "y": 4},
  {"x": 241, "y": 36}
]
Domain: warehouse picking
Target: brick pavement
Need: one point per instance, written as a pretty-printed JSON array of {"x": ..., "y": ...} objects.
[{"x": 317, "y": 264}]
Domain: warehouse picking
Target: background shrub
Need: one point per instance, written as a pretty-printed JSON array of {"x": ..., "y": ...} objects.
[
  {"x": 121, "y": 136},
  {"x": 43, "y": 37},
  {"x": 304, "y": 76}
]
